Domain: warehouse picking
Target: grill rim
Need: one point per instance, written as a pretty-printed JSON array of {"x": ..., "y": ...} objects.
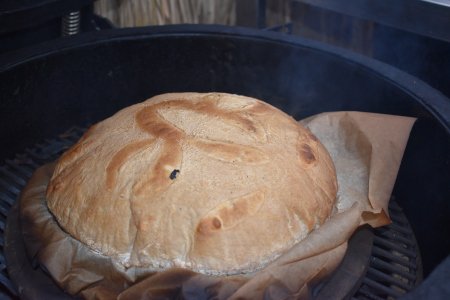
[{"x": 431, "y": 99}]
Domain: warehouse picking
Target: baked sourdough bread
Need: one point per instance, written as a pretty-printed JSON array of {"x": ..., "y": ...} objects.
[{"x": 217, "y": 183}]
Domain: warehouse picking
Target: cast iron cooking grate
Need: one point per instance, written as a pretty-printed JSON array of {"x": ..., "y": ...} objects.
[{"x": 394, "y": 266}]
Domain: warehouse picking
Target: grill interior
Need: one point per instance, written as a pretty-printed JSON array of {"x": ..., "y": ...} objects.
[{"x": 391, "y": 267}]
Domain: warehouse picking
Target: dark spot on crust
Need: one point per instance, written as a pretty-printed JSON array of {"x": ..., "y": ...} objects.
[
  {"x": 216, "y": 223},
  {"x": 173, "y": 175},
  {"x": 306, "y": 154}
]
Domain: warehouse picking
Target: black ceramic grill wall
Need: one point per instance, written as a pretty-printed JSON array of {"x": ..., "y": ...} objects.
[{"x": 84, "y": 79}]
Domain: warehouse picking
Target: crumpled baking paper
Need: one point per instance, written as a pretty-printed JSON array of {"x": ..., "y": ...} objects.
[{"x": 367, "y": 150}]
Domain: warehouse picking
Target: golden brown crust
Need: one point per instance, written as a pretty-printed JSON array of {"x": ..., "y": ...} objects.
[{"x": 216, "y": 183}]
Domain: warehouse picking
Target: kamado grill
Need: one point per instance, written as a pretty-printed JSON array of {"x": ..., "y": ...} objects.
[{"x": 51, "y": 93}]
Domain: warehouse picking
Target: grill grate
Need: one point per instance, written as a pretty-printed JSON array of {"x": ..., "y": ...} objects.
[{"x": 394, "y": 268}]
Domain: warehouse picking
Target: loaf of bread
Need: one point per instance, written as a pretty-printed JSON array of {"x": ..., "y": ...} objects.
[{"x": 216, "y": 183}]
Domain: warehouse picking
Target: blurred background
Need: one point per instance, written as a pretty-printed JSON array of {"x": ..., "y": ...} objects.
[{"x": 413, "y": 35}]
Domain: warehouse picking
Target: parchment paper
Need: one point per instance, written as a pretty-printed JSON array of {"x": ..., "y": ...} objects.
[{"x": 366, "y": 149}]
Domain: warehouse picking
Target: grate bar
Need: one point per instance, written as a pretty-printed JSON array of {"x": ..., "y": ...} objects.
[
  {"x": 392, "y": 235},
  {"x": 25, "y": 161},
  {"x": 5, "y": 202},
  {"x": 385, "y": 277},
  {"x": 7, "y": 199},
  {"x": 54, "y": 148},
  {"x": 16, "y": 180},
  {"x": 368, "y": 294},
  {"x": 380, "y": 264},
  {"x": 399, "y": 229},
  {"x": 395, "y": 258},
  {"x": 382, "y": 242},
  {"x": 9, "y": 188},
  {"x": 22, "y": 170},
  {"x": 398, "y": 220},
  {"x": 3, "y": 210},
  {"x": 381, "y": 287},
  {"x": 402, "y": 222},
  {"x": 38, "y": 158}
]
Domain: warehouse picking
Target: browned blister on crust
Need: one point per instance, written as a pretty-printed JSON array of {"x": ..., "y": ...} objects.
[
  {"x": 230, "y": 213},
  {"x": 216, "y": 183}
]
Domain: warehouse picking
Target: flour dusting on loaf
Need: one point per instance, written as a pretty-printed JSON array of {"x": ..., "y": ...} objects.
[{"x": 217, "y": 183}]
